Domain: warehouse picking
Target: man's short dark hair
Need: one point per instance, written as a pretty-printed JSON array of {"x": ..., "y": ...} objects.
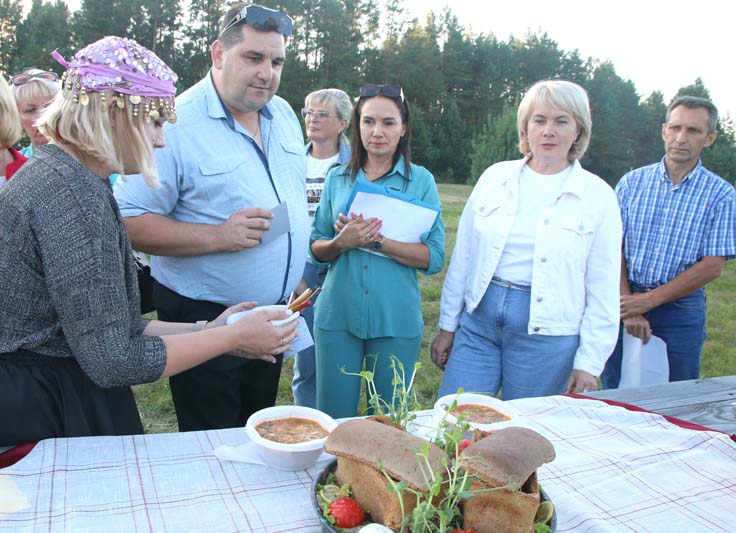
[
  {"x": 234, "y": 34},
  {"x": 694, "y": 102}
]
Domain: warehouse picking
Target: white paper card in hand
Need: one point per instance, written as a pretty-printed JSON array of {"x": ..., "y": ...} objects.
[
  {"x": 643, "y": 364},
  {"x": 303, "y": 341}
]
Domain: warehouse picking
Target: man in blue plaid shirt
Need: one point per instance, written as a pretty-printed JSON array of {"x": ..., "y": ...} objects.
[{"x": 679, "y": 223}]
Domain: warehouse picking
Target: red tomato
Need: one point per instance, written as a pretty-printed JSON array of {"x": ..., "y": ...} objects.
[
  {"x": 464, "y": 443},
  {"x": 346, "y": 512}
]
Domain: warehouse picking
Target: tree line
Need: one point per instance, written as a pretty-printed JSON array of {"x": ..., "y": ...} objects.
[{"x": 463, "y": 88}]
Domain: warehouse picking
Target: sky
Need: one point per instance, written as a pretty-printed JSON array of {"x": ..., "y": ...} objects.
[{"x": 657, "y": 44}]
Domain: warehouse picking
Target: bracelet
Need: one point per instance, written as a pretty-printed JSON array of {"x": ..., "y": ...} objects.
[{"x": 199, "y": 325}]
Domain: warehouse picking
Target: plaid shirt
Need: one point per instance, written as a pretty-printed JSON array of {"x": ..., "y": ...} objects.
[{"x": 668, "y": 228}]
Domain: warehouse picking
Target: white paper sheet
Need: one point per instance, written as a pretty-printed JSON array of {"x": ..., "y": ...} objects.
[
  {"x": 643, "y": 364},
  {"x": 402, "y": 221}
]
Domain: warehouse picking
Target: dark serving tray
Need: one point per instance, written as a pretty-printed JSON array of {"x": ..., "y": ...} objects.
[{"x": 328, "y": 528}]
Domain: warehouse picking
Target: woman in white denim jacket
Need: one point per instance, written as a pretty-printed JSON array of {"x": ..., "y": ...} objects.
[{"x": 530, "y": 303}]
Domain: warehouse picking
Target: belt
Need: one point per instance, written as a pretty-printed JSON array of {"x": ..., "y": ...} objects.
[{"x": 507, "y": 284}]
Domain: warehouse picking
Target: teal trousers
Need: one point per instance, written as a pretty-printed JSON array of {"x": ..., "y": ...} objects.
[{"x": 338, "y": 352}]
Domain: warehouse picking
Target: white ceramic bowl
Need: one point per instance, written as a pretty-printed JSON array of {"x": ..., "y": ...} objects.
[
  {"x": 237, "y": 316},
  {"x": 282, "y": 456},
  {"x": 442, "y": 406}
]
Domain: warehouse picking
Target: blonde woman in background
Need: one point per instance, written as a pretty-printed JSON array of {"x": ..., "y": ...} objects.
[
  {"x": 326, "y": 117},
  {"x": 34, "y": 89}
]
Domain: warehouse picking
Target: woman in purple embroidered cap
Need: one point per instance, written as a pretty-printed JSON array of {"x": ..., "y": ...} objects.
[{"x": 72, "y": 340}]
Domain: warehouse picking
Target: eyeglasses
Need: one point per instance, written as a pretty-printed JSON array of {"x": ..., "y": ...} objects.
[
  {"x": 262, "y": 18},
  {"x": 315, "y": 115},
  {"x": 22, "y": 79},
  {"x": 392, "y": 91}
]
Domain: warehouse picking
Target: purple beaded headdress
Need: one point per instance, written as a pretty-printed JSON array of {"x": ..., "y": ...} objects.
[{"x": 126, "y": 69}]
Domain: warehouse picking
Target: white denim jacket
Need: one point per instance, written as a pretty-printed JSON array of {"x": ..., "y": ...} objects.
[{"x": 577, "y": 259}]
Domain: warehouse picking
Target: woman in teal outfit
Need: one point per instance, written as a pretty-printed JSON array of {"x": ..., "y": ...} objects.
[{"x": 370, "y": 307}]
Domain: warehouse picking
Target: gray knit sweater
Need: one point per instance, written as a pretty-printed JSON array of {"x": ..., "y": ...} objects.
[{"x": 69, "y": 285}]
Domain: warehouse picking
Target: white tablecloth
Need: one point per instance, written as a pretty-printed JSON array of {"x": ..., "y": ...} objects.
[{"x": 615, "y": 470}]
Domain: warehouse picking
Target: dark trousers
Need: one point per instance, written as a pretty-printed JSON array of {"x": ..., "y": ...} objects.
[
  {"x": 222, "y": 392},
  {"x": 681, "y": 325}
]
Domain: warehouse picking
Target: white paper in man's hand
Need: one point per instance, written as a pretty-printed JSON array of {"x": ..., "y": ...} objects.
[{"x": 643, "y": 364}]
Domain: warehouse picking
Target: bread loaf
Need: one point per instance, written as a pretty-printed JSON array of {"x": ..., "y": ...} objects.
[
  {"x": 363, "y": 448},
  {"x": 508, "y": 458}
]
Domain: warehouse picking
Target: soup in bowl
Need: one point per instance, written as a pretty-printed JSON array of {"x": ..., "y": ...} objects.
[
  {"x": 289, "y": 437},
  {"x": 479, "y": 410}
]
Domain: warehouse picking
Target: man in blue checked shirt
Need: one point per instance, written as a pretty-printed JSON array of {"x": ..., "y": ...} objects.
[
  {"x": 235, "y": 152},
  {"x": 679, "y": 223}
]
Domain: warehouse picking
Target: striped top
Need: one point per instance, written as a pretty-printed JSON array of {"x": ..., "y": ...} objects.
[{"x": 668, "y": 228}]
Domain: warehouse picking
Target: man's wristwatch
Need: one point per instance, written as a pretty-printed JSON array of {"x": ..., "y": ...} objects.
[{"x": 377, "y": 244}]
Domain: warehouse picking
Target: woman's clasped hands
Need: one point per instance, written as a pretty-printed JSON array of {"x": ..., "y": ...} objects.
[{"x": 355, "y": 231}]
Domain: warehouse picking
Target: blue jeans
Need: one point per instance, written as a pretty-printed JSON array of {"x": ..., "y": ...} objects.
[
  {"x": 492, "y": 350},
  {"x": 304, "y": 383},
  {"x": 681, "y": 325}
]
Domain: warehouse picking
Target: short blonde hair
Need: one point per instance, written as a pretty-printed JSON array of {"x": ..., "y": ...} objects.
[
  {"x": 10, "y": 130},
  {"x": 565, "y": 95},
  {"x": 89, "y": 129},
  {"x": 337, "y": 100},
  {"x": 35, "y": 87}
]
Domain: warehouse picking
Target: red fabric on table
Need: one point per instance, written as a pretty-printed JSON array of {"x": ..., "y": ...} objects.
[
  {"x": 13, "y": 455},
  {"x": 676, "y": 421}
]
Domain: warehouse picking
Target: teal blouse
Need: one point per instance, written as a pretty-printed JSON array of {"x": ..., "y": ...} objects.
[{"x": 368, "y": 295}]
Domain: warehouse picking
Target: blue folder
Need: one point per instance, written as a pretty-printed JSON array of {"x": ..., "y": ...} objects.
[{"x": 363, "y": 185}]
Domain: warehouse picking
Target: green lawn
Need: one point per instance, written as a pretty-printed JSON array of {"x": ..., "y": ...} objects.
[{"x": 719, "y": 355}]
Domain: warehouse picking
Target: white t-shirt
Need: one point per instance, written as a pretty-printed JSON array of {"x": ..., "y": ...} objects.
[
  {"x": 316, "y": 172},
  {"x": 536, "y": 191}
]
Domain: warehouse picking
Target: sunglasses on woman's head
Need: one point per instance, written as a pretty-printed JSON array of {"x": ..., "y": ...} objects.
[
  {"x": 22, "y": 79},
  {"x": 392, "y": 91}
]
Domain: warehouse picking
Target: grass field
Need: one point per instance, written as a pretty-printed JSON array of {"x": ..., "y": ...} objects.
[{"x": 719, "y": 354}]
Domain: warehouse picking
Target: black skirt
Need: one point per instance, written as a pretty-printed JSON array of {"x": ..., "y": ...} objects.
[{"x": 45, "y": 397}]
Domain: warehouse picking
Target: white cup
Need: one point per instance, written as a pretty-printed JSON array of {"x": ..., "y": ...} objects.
[{"x": 237, "y": 316}]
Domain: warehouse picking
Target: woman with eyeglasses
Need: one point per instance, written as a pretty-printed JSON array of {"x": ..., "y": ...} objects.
[
  {"x": 370, "y": 307},
  {"x": 326, "y": 115},
  {"x": 10, "y": 158},
  {"x": 530, "y": 304},
  {"x": 72, "y": 339},
  {"x": 34, "y": 89}
]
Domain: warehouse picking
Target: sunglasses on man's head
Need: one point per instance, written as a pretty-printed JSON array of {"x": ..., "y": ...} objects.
[
  {"x": 392, "y": 91},
  {"x": 22, "y": 79},
  {"x": 262, "y": 18}
]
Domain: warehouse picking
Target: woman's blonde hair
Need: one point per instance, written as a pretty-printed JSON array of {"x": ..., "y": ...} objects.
[
  {"x": 10, "y": 130},
  {"x": 89, "y": 129},
  {"x": 336, "y": 100},
  {"x": 565, "y": 95},
  {"x": 35, "y": 87}
]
